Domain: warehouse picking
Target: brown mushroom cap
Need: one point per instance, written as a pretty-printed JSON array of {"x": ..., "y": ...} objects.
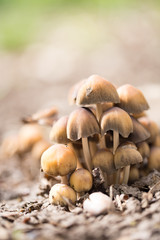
[
  {"x": 104, "y": 160},
  {"x": 151, "y": 127},
  {"x": 81, "y": 124},
  {"x": 132, "y": 99},
  {"x": 59, "y": 192},
  {"x": 126, "y": 156},
  {"x": 58, "y": 132},
  {"x": 144, "y": 149},
  {"x": 58, "y": 160},
  {"x": 96, "y": 90},
  {"x": 139, "y": 134},
  {"x": 116, "y": 119},
  {"x": 154, "y": 159},
  {"x": 81, "y": 180}
]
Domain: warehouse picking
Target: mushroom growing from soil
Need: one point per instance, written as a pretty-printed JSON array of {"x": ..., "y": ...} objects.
[
  {"x": 154, "y": 159},
  {"x": 119, "y": 121},
  {"x": 59, "y": 160},
  {"x": 81, "y": 181},
  {"x": 105, "y": 161},
  {"x": 132, "y": 99},
  {"x": 125, "y": 156},
  {"x": 151, "y": 127},
  {"x": 82, "y": 124},
  {"x": 97, "y": 90},
  {"x": 61, "y": 194}
]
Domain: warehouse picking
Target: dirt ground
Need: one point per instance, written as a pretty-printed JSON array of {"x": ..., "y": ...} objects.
[{"x": 42, "y": 75}]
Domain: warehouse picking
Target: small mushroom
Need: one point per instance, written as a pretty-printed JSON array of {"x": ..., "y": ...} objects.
[
  {"x": 151, "y": 127},
  {"x": 28, "y": 135},
  {"x": 98, "y": 203},
  {"x": 124, "y": 157},
  {"x": 105, "y": 161},
  {"x": 134, "y": 174},
  {"x": 154, "y": 159},
  {"x": 61, "y": 194},
  {"x": 119, "y": 121},
  {"x": 59, "y": 160},
  {"x": 132, "y": 99},
  {"x": 81, "y": 181}
]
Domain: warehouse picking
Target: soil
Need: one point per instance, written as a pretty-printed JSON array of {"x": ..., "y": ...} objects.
[{"x": 25, "y": 212}]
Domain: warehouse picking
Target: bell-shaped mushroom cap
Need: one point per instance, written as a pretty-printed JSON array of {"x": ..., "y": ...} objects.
[
  {"x": 60, "y": 192},
  {"x": 72, "y": 96},
  {"x": 58, "y": 132},
  {"x": 118, "y": 120},
  {"x": 126, "y": 156},
  {"x": 81, "y": 124},
  {"x": 81, "y": 180},
  {"x": 139, "y": 134},
  {"x": 132, "y": 99},
  {"x": 58, "y": 160},
  {"x": 144, "y": 149},
  {"x": 154, "y": 159},
  {"x": 128, "y": 144},
  {"x": 96, "y": 90},
  {"x": 104, "y": 160},
  {"x": 152, "y": 128}
]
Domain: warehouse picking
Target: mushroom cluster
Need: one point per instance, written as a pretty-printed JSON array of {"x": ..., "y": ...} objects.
[{"x": 109, "y": 130}]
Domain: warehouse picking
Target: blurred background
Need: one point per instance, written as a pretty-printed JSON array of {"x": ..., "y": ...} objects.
[{"x": 48, "y": 45}]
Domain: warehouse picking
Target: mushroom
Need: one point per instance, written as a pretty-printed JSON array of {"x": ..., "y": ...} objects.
[
  {"x": 43, "y": 117},
  {"x": 144, "y": 150},
  {"x": 156, "y": 142},
  {"x": 61, "y": 194},
  {"x": 134, "y": 174},
  {"x": 154, "y": 159},
  {"x": 151, "y": 127},
  {"x": 82, "y": 124},
  {"x": 96, "y": 90},
  {"x": 124, "y": 157},
  {"x": 132, "y": 99},
  {"x": 105, "y": 161},
  {"x": 81, "y": 181},
  {"x": 59, "y": 160},
  {"x": 119, "y": 121},
  {"x": 58, "y": 134},
  {"x": 28, "y": 135}
]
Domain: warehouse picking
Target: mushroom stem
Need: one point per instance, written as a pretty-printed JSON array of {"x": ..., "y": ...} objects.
[
  {"x": 115, "y": 140},
  {"x": 64, "y": 180},
  {"x": 80, "y": 194},
  {"x": 79, "y": 165},
  {"x": 98, "y": 111},
  {"x": 126, "y": 174},
  {"x": 87, "y": 155},
  {"x": 118, "y": 176}
]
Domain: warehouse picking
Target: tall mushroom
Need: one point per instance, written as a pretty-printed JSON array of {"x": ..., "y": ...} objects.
[
  {"x": 82, "y": 124},
  {"x": 96, "y": 90}
]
